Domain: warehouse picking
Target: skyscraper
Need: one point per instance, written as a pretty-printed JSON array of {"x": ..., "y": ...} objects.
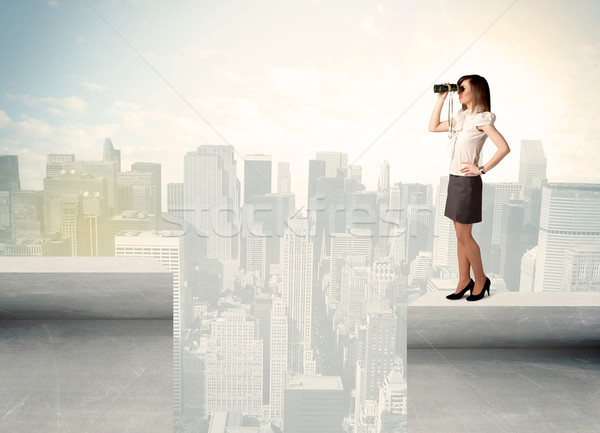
[
  {"x": 512, "y": 243},
  {"x": 211, "y": 201},
  {"x": 393, "y": 409},
  {"x": 582, "y": 269},
  {"x": 175, "y": 199},
  {"x": 167, "y": 248},
  {"x": 342, "y": 245},
  {"x": 335, "y": 162},
  {"x": 316, "y": 170},
  {"x": 380, "y": 347},
  {"x": 421, "y": 219},
  {"x": 383, "y": 184},
  {"x": 532, "y": 176},
  {"x": 569, "y": 218},
  {"x": 154, "y": 169},
  {"x": 27, "y": 213},
  {"x": 257, "y": 176},
  {"x": 296, "y": 289},
  {"x": 135, "y": 191},
  {"x": 55, "y": 163},
  {"x": 232, "y": 357},
  {"x": 71, "y": 182},
  {"x": 278, "y": 358},
  {"x": 444, "y": 240},
  {"x": 9, "y": 173},
  {"x": 284, "y": 178}
]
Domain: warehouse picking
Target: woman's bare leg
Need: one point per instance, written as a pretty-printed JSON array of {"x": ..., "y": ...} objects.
[
  {"x": 464, "y": 267},
  {"x": 472, "y": 252}
]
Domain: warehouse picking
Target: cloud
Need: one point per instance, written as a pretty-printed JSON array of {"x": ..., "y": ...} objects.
[
  {"x": 96, "y": 87},
  {"x": 66, "y": 105},
  {"x": 53, "y": 4},
  {"x": 4, "y": 119}
]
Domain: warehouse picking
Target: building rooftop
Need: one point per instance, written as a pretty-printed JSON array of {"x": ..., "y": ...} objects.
[{"x": 328, "y": 383}]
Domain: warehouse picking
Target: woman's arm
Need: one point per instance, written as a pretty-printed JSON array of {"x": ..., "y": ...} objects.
[
  {"x": 434, "y": 122},
  {"x": 502, "y": 151}
]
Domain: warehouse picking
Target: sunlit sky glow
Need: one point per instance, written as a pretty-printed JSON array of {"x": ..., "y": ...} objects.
[{"x": 290, "y": 78}]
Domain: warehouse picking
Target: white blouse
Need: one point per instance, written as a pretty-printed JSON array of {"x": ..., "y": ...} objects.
[{"x": 467, "y": 141}]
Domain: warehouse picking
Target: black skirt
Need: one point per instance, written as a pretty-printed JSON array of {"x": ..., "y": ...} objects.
[{"x": 463, "y": 203}]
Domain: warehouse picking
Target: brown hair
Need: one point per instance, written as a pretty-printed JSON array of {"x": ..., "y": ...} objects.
[{"x": 480, "y": 91}]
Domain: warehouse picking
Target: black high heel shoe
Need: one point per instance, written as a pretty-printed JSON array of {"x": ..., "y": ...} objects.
[
  {"x": 460, "y": 294},
  {"x": 486, "y": 286}
]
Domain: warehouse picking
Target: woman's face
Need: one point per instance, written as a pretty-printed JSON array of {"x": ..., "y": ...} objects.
[{"x": 464, "y": 97}]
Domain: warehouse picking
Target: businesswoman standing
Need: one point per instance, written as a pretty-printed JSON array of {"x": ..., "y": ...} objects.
[{"x": 473, "y": 123}]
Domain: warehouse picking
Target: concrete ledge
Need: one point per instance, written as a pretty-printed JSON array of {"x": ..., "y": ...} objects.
[
  {"x": 85, "y": 288},
  {"x": 505, "y": 320}
]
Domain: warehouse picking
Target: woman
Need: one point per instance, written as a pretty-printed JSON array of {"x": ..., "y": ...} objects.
[{"x": 470, "y": 128}]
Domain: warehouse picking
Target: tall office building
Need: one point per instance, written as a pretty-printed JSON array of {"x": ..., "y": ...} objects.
[
  {"x": 167, "y": 248},
  {"x": 284, "y": 178},
  {"x": 135, "y": 191},
  {"x": 9, "y": 173},
  {"x": 314, "y": 404},
  {"x": 363, "y": 212},
  {"x": 316, "y": 170},
  {"x": 581, "y": 272},
  {"x": 397, "y": 244},
  {"x": 353, "y": 173},
  {"x": 336, "y": 163},
  {"x": 380, "y": 347},
  {"x": 154, "y": 169},
  {"x": 55, "y": 163},
  {"x": 532, "y": 176},
  {"x": 262, "y": 309},
  {"x": 383, "y": 184},
  {"x": 256, "y": 251},
  {"x": 278, "y": 358},
  {"x": 355, "y": 286},
  {"x": 211, "y": 201},
  {"x": 71, "y": 182},
  {"x": 257, "y": 176},
  {"x": 27, "y": 213},
  {"x": 392, "y": 413},
  {"x": 382, "y": 277},
  {"x": 70, "y": 219},
  {"x": 342, "y": 245},
  {"x": 444, "y": 239},
  {"x": 404, "y": 194},
  {"x": 229, "y": 358},
  {"x": 420, "y": 267},
  {"x": 569, "y": 218},
  {"x": 512, "y": 243},
  {"x": 5, "y": 230},
  {"x": 503, "y": 193},
  {"x": 108, "y": 170},
  {"x": 175, "y": 201},
  {"x": 272, "y": 212},
  {"x": 329, "y": 213},
  {"x": 110, "y": 154},
  {"x": 527, "y": 278},
  {"x": 420, "y": 224},
  {"x": 296, "y": 289}
]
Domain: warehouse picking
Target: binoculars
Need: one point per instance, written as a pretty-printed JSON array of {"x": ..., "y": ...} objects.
[{"x": 441, "y": 88}]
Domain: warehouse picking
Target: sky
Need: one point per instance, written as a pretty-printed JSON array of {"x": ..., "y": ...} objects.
[{"x": 291, "y": 78}]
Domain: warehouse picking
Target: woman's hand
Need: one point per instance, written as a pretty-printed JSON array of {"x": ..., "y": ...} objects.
[
  {"x": 442, "y": 96},
  {"x": 469, "y": 167}
]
